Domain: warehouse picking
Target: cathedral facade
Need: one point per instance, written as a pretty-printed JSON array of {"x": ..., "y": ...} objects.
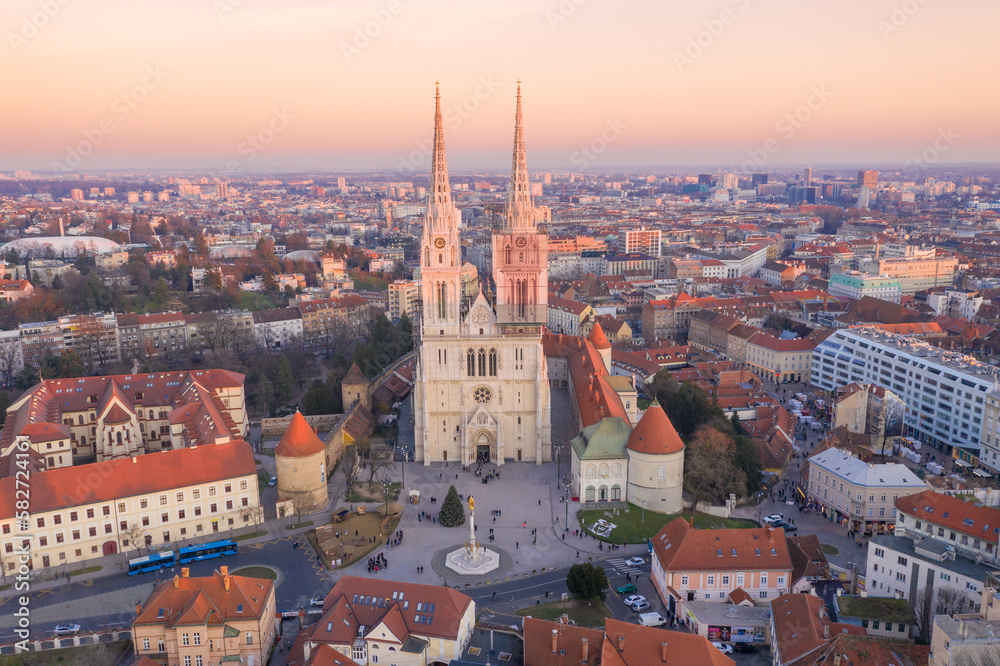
[{"x": 481, "y": 389}]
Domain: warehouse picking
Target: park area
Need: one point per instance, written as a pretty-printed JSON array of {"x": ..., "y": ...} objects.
[
  {"x": 353, "y": 534},
  {"x": 632, "y": 525}
]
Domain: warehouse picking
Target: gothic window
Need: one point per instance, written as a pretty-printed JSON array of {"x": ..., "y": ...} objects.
[
  {"x": 493, "y": 363},
  {"x": 470, "y": 358},
  {"x": 440, "y": 258},
  {"x": 507, "y": 256},
  {"x": 119, "y": 438},
  {"x": 482, "y": 362},
  {"x": 482, "y": 420},
  {"x": 442, "y": 301},
  {"x": 482, "y": 395},
  {"x": 427, "y": 258}
]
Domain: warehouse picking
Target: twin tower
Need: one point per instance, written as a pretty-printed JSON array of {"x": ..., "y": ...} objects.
[{"x": 481, "y": 389}]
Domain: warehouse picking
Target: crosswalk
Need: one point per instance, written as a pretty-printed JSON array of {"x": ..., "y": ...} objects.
[{"x": 619, "y": 566}]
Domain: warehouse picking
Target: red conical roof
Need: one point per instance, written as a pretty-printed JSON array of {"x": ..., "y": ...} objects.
[
  {"x": 299, "y": 440},
  {"x": 597, "y": 337},
  {"x": 654, "y": 433}
]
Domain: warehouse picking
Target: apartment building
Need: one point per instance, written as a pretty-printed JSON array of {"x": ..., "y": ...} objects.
[
  {"x": 162, "y": 333},
  {"x": 377, "y": 621},
  {"x": 565, "y": 316},
  {"x": 277, "y": 328},
  {"x": 971, "y": 530},
  {"x": 944, "y": 391},
  {"x": 670, "y": 318},
  {"x": 899, "y": 567},
  {"x": 39, "y": 339},
  {"x": 777, "y": 273},
  {"x": 345, "y": 317},
  {"x": 125, "y": 505},
  {"x": 709, "y": 331},
  {"x": 111, "y": 261},
  {"x": 168, "y": 259},
  {"x": 989, "y": 439},
  {"x": 102, "y": 418},
  {"x": 617, "y": 264},
  {"x": 779, "y": 360},
  {"x": 93, "y": 337},
  {"x": 690, "y": 564},
  {"x": 957, "y": 303},
  {"x": 859, "y": 496},
  {"x": 207, "y": 620},
  {"x": 966, "y": 638},
  {"x": 404, "y": 297},
  {"x": 13, "y": 290},
  {"x": 643, "y": 241},
  {"x": 919, "y": 272},
  {"x": 866, "y": 408},
  {"x": 856, "y": 285}
]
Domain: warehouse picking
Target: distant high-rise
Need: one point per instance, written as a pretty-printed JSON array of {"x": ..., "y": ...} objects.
[
  {"x": 730, "y": 181},
  {"x": 704, "y": 179},
  {"x": 807, "y": 176},
  {"x": 222, "y": 190},
  {"x": 76, "y": 195},
  {"x": 341, "y": 182},
  {"x": 868, "y": 178},
  {"x": 864, "y": 196},
  {"x": 758, "y": 179},
  {"x": 643, "y": 241}
]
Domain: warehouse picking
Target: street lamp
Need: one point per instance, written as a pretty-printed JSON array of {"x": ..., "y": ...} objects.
[{"x": 643, "y": 511}]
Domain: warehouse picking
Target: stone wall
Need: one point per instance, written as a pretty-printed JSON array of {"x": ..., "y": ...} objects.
[{"x": 276, "y": 427}]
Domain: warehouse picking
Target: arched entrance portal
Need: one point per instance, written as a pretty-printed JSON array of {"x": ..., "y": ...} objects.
[
  {"x": 110, "y": 547},
  {"x": 484, "y": 447}
]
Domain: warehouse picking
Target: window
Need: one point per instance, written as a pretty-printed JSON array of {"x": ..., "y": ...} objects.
[
  {"x": 197, "y": 660},
  {"x": 249, "y": 638},
  {"x": 229, "y": 488},
  {"x": 143, "y": 504},
  {"x": 711, "y": 580},
  {"x": 763, "y": 594},
  {"x": 180, "y": 497},
  {"x": 243, "y": 484},
  {"x": 875, "y": 624},
  {"x": 90, "y": 513},
  {"x": 187, "y": 658},
  {"x": 900, "y": 576},
  {"x": 57, "y": 519},
  {"x": 684, "y": 581},
  {"x": 763, "y": 580},
  {"x": 211, "y": 491},
  {"x": 145, "y": 643},
  {"x": 196, "y": 493},
  {"x": 781, "y": 581},
  {"x": 725, "y": 580},
  {"x": 197, "y": 639},
  {"x": 121, "y": 507},
  {"x": 888, "y": 626},
  {"x": 185, "y": 639},
  {"x": 163, "y": 500}
]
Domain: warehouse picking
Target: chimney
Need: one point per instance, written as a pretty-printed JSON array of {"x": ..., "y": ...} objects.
[
  {"x": 836, "y": 659},
  {"x": 555, "y": 641},
  {"x": 621, "y": 643},
  {"x": 663, "y": 652},
  {"x": 138, "y": 609},
  {"x": 564, "y": 618},
  {"x": 185, "y": 572},
  {"x": 584, "y": 650},
  {"x": 177, "y": 582},
  {"x": 225, "y": 581},
  {"x": 224, "y": 570}
]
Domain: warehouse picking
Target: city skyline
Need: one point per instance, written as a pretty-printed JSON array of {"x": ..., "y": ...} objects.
[{"x": 238, "y": 86}]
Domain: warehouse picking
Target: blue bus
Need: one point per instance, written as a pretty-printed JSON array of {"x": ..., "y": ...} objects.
[
  {"x": 207, "y": 551},
  {"x": 153, "y": 562}
]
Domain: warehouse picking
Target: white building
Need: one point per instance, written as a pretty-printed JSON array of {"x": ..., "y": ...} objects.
[
  {"x": 276, "y": 328},
  {"x": 860, "y": 496},
  {"x": 944, "y": 391},
  {"x": 957, "y": 303},
  {"x": 857, "y": 285},
  {"x": 900, "y": 567},
  {"x": 481, "y": 390}
]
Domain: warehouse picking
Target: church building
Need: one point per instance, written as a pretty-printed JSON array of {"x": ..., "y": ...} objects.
[{"x": 481, "y": 390}]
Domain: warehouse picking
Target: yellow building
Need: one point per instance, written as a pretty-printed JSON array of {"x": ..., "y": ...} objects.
[
  {"x": 206, "y": 621},
  {"x": 146, "y": 502}
]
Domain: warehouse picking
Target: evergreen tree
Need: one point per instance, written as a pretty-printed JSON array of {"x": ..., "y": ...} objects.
[
  {"x": 587, "y": 581},
  {"x": 283, "y": 380},
  {"x": 452, "y": 512}
]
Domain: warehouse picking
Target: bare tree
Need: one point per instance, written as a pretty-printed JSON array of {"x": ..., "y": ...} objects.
[
  {"x": 134, "y": 537},
  {"x": 890, "y": 420},
  {"x": 254, "y": 514},
  {"x": 922, "y": 607},
  {"x": 349, "y": 465},
  {"x": 10, "y": 362},
  {"x": 927, "y": 604},
  {"x": 379, "y": 463},
  {"x": 299, "y": 506},
  {"x": 952, "y": 601},
  {"x": 709, "y": 470}
]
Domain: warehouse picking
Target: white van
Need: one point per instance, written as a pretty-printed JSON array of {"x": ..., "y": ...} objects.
[{"x": 651, "y": 620}]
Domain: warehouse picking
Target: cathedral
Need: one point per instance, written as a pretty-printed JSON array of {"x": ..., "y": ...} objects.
[{"x": 481, "y": 389}]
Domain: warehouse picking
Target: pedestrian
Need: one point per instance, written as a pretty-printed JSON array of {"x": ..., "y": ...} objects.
[{"x": 516, "y": 545}]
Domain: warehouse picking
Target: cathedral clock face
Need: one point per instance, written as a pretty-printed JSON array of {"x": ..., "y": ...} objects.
[
  {"x": 439, "y": 243},
  {"x": 521, "y": 241}
]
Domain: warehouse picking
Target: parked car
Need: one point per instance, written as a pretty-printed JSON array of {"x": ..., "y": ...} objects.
[
  {"x": 724, "y": 648},
  {"x": 66, "y": 629},
  {"x": 627, "y": 589},
  {"x": 773, "y": 517},
  {"x": 779, "y": 523},
  {"x": 744, "y": 648},
  {"x": 273, "y": 481},
  {"x": 316, "y": 601},
  {"x": 640, "y": 607},
  {"x": 633, "y": 599},
  {"x": 635, "y": 562},
  {"x": 790, "y": 528}
]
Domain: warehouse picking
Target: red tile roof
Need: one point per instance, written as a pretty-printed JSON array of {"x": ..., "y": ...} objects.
[
  {"x": 980, "y": 522},
  {"x": 627, "y": 644},
  {"x": 299, "y": 440},
  {"x": 569, "y": 644},
  {"x": 205, "y": 600},
  {"x": 597, "y": 337},
  {"x": 803, "y": 627},
  {"x": 654, "y": 433},
  {"x": 128, "y": 477},
  {"x": 680, "y": 547}
]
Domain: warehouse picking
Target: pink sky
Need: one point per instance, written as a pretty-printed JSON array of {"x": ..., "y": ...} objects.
[{"x": 890, "y": 82}]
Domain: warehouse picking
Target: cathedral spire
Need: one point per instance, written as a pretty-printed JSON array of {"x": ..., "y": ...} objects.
[
  {"x": 440, "y": 210},
  {"x": 520, "y": 211}
]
